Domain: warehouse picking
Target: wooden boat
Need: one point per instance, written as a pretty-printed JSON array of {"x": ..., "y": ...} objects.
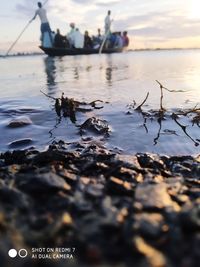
[{"x": 75, "y": 51}]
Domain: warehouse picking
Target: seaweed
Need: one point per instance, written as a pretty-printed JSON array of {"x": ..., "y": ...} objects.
[
  {"x": 68, "y": 107},
  {"x": 159, "y": 115}
]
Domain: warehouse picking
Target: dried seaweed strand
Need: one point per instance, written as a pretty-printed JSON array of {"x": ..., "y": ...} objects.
[{"x": 140, "y": 106}]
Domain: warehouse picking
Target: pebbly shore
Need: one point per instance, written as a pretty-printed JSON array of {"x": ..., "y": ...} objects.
[{"x": 114, "y": 210}]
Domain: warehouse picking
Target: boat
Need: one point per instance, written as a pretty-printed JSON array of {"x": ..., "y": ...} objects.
[{"x": 53, "y": 51}]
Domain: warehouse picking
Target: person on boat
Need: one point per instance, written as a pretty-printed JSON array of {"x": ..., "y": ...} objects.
[
  {"x": 97, "y": 40},
  {"x": 78, "y": 39},
  {"x": 119, "y": 40},
  {"x": 99, "y": 35},
  {"x": 47, "y": 39},
  {"x": 45, "y": 27},
  {"x": 87, "y": 40},
  {"x": 125, "y": 39},
  {"x": 71, "y": 34},
  {"x": 108, "y": 22},
  {"x": 60, "y": 41}
]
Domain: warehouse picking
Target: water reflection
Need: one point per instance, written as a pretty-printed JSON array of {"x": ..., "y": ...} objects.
[
  {"x": 76, "y": 73},
  {"x": 109, "y": 69},
  {"x": 109, "y": 75},
  {"x": 50, "y": 70}
]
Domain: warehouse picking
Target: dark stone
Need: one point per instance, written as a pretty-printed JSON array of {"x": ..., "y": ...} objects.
[
  {"x": 20, "y": 122},
  {"x": 13, "y": 197},
  {"x": 150, "y": 225},
  {"x": 94, "y": 191},
  {"x": 95, "y": 125},
  {"x": 150, "y": 161},
  {"x": 20, "y": 142},
  {"x": 117, "y": 186},
  {"x": 190, "y": 218},
  {"x": 41, "y": 183}
]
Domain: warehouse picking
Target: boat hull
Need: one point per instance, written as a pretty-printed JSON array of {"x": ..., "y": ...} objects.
[{"x": 73, "y": 52}]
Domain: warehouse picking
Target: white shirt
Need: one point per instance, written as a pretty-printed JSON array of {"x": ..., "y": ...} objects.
[
  {"x": 78, "y": 39},
  {"x": 107, "y": 22},
  {"x": 41, "y": 12},
  {"x": 71, "y": 36}
]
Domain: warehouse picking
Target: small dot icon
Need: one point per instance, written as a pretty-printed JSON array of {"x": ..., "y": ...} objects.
[
  {"x": 23, "y": 253},
  {"x": 12, "y": 253}
]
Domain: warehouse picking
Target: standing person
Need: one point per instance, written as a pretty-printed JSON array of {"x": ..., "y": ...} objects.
[
  {"x": 71, "y": 34},
  {"x": 45, "y": 27},
  {"x": 107, "y": 22}
]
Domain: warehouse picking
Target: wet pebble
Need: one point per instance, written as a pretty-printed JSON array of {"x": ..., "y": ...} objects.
[
  {"x": 19, "y": 122},
  {"x": 95, "y": 125},
  {"x": 20, "y": 142}
]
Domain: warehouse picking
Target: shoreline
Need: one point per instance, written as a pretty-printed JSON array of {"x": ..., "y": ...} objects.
[
  {"x": 23, "y": 54},
  {"x": 114, "y": 209}
]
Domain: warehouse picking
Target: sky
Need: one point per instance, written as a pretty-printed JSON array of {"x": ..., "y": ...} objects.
[{"x": 150, "y": 24}]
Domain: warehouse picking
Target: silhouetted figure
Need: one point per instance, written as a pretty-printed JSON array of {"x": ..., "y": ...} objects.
[
  {"x": 99, "y": 33},
  {"x": 60, "y": 41},
  {"x": 125, "y": 39},
  {"x": 87, "y": 40},
  {"x": 45, "y": 27},
  {"x": 97, "y": 40}
]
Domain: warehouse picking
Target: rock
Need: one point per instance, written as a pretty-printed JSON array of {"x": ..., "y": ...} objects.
[
  {"x": 41, "y": 183},
  {"x": 49, "y": 156},
  {"x": 134, "y": 215},
  {"x": 154, "y": 196},
  {"x": 13, "y": 198},
  {"x": 20, "y": 122},
  {"x": 95, "y": 125},
  {"x": 15, "y": 157},
  {"x": 122, "y": 214},
  {"x": 154, "y": 257},
  {"x": 194, "y": 192},
  {"x": 2, "y": 163},
  {"x": 190, "y": 218},
  {"x": 178, "y": 168},
  {"x": 150, "y": 225},
  {"x": 69, "y": 176},
  {"x": 150, "y": 161},
  {"x": 94, "y": 191},
  {"x": 174, "y": 185},
  {"x": 129, "y": 161},
  {"x": 119, "y": 187},
  {"x": 20, "y": 142}
]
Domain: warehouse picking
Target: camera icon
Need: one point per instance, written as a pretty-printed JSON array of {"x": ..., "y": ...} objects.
[{"x": 22, "y": 253}]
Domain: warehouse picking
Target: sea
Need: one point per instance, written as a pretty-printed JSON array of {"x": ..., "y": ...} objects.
[{"x": 121, "y": 81}]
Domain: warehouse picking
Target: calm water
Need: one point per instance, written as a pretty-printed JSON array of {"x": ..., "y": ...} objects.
[{"x": 117, "y": 79}]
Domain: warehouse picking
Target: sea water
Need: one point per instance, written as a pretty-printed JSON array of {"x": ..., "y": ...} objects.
[{"x": 120, "y": 81}]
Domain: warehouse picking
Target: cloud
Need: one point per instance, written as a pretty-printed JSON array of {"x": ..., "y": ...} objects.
[
  {"x": 27, "y": 8},
  {"x": 160, "y": 24},
  {"x": 107, "y": 4}
]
